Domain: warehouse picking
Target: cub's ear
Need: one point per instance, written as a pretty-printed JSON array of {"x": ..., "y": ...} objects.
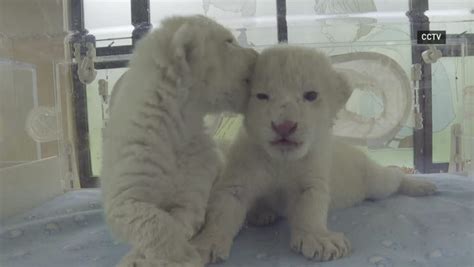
[
  {"x": 342, "y": 91},
  {"x": 184, "y": 43}
]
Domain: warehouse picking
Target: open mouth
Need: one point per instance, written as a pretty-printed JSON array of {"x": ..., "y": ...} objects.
[{"x": 283, "y": 142}]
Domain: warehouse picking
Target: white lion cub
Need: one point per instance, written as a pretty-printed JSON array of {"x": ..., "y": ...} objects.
[
  {"x": 286, "y": 163},
  {"x": 159, "y": 162}
]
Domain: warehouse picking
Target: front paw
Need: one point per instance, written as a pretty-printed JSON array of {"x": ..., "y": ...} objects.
[
  {"x": 190, "y": 222},
  {"x": 213, "y": 248},
  {"x": 324, "y": 246}
]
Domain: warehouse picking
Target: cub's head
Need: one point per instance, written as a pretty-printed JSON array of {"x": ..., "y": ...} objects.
[
  {"x": 204, "y": 56},
  {"x": 295, "y": 96}
]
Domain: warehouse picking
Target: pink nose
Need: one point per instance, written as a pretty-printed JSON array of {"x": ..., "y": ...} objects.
[{"x": 285, "y": 128}]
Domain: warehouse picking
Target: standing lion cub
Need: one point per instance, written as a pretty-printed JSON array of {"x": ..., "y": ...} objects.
[
  {"x": 159, "y": 162},
  {"x": 286, "y": 162}
]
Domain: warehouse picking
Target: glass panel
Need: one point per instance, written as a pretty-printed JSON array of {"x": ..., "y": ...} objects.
[
  {"x": 252, "y": 22},
  {"x": 389, "y": 106},
  {"x": 97, "y": 112},
  {"x": 447, "y": 85},
  {"x": 453, "y": 106},
  {"x": 109, "y": 19},
  {"x": 328, "y": 21},
  {"x": 334, "y": 26},
  {"x": 450, "y": 11},
  {"x": 454, "y": 17},
  {"x": 18, "y": 98},
  {"x": 30, "y": 113},
  {"x": 160, "y": 9},
  {"x": 468, "y": 116}
]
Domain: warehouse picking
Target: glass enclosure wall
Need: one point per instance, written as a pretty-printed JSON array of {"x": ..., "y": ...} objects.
[{"x": 376, "y": 30}]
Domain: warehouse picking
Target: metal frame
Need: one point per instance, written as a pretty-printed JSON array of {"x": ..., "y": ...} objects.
[
  {"x": 112, "y": 64},
  {"x": 79, "y": 96},
  {"x": 140, "y": 19},
  {"x": 114, "y": 50},
  {"x": 423, "y": 138},
  {"x": 140, "y": 11},
  {"x": 282, "y": 26}
]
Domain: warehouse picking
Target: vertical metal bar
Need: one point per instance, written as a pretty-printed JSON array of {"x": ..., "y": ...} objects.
[
  {"x": 76, "y": 15},
  {"x": 80, "y": 35},
  {"x": 140, "y": 19},
  {"x": 76, "y": 21},
  {"x": 422, "y": 139},
  {"x": 79, "y": 99},
  {"x": 281, "y": 21}
]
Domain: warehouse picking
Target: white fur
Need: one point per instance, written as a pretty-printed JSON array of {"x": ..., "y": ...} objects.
[
  {"x": 263, "y": 181},
  {"x": 159, "y": 163}
]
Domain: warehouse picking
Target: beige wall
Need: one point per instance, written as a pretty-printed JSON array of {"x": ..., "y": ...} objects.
[{"x": 33, "y": 32}]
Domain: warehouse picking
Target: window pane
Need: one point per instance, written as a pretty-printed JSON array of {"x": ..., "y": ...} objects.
[
  {"x": 336, "y": 21},
  {"x": 96, "y": 111},
  {"x": 108, "y": 19},
  {"x": 454, "y": 16},
  {"x": 451, "y": 100},
  {"x": 381, "y": 102},
  {"x": 252, "y": 22}
]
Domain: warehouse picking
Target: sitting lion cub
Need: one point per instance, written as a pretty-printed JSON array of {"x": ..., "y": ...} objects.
[
  {"x": 288, "y": 164},
  {"x": 159, "y": 161}
]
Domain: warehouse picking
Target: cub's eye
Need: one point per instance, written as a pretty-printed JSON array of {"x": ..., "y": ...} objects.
[
  {"x": 262, "y": 96},
  {"x": 230, "y": 41},
  {"x": 310, "y": 95}
]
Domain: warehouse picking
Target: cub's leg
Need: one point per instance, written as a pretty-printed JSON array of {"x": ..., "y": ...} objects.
[
  {"x": 151, "y": 231},
  {"x": 190, "y": 212},
  {"x": 307, "y": 216},
  {"x": 200, "y": 166},
  {"x": 225, "y": 216}
]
